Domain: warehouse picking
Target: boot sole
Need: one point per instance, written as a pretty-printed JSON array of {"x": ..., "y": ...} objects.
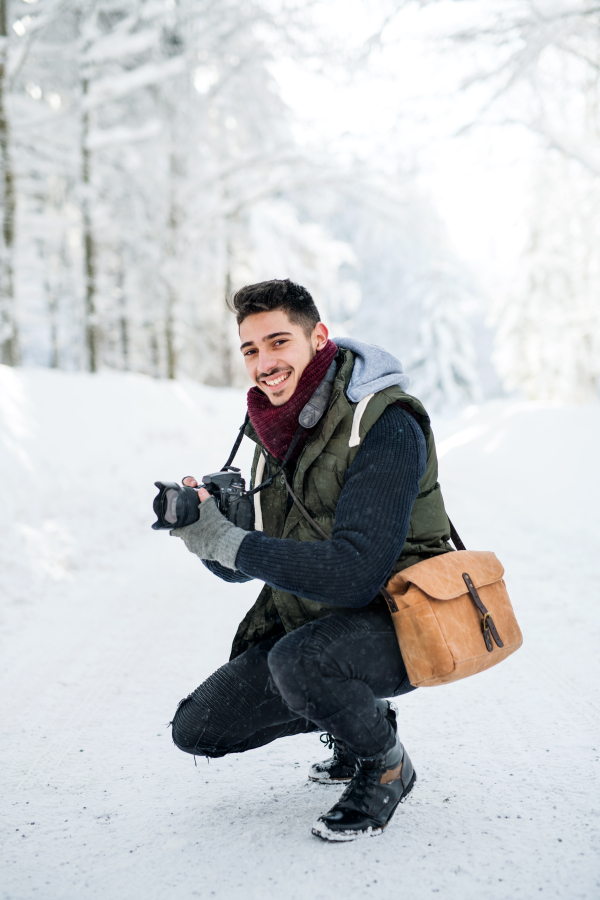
[
  {"x": 337, "y": 836},
  {"x": 330, "y": 780}
]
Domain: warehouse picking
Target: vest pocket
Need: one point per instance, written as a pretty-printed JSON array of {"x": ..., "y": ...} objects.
[{"x": 324, "y": 482}]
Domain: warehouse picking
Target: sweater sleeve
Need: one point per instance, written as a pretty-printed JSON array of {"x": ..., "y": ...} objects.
[
  {"x": 371, "y": 523},
  {"x": 232, "y": 576}
]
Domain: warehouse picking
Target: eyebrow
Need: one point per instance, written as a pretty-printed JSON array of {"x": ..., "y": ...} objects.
[{"x": 268, "y": 337}]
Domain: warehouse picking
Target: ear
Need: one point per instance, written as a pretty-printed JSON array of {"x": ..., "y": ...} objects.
[{"x": 320, "y": 336}]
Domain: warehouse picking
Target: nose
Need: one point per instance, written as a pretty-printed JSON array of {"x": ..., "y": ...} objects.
[{"x": 266, "y": 361}]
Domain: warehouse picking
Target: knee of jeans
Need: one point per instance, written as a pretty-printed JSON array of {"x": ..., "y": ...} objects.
[
  {"x": 186, "y": 729},
  {"x": 180, "y": 732},
  {"x": 290, "y": 670}
]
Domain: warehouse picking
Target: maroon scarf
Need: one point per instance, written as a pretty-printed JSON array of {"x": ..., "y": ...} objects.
[{"x": 277, "y": 425}]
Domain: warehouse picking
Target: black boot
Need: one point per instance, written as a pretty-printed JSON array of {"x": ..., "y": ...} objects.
[
  {"x": 340, "y": 767},
  {"x": 371, "y": 798}
]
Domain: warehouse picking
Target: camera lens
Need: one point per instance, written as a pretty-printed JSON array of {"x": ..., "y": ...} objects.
[{"x": 170, "y": 506}]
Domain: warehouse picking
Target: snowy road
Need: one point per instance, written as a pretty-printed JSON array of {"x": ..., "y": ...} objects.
[{"x": 105, "y": 625}]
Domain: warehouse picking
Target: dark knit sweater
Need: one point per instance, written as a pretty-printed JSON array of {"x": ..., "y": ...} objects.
[{"x": 371, "y": 524}]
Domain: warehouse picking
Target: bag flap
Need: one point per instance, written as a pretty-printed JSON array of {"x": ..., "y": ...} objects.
[{"x": 441, "y": 576}]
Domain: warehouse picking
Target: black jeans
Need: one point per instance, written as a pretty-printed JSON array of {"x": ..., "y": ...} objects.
[{"x": 325, "y": 676}]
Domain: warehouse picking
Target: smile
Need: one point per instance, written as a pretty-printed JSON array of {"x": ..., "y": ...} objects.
[{"x": 278, "y": 380}]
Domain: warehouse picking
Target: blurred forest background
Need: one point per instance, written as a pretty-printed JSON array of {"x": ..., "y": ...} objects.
[{"x": 429, "y": 170}]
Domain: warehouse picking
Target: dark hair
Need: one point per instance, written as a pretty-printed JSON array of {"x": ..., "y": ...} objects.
[{"x": 266, "y": 296}]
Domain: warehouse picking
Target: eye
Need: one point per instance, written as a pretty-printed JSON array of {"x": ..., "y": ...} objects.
[
  {"x": 280, "y": 341},
  {"x": 249, "y": 352}
]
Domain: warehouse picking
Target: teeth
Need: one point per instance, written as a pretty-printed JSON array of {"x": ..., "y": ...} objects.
[{"x": 278, "y": 380}]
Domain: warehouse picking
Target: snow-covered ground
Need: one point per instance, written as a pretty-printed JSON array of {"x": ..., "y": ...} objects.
[{"x": 106, "y": 624}]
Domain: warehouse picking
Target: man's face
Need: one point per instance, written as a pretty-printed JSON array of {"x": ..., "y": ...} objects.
[{"x": 276, "y": 352}]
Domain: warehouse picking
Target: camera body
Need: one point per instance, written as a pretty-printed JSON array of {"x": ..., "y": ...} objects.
[
  {"x": 229, "y": 490},
  {"x": 176, "y": 505}
]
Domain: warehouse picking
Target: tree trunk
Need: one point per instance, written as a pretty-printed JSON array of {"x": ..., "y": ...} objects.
[
  {"x": 91, "y": 324},
  {"x": 154, "y": 353},
  {"x": 170, "y": 336},
  {"x": 225, "y": 345},
  {"x": 174, "y": 219},
  {"x": 123, "y": 320},
  {"x": 52, "y": 300},
  {"x": 9, "y": 337}
]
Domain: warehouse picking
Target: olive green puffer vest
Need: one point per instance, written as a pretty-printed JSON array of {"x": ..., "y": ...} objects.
[{"x": 317, "y": 482}]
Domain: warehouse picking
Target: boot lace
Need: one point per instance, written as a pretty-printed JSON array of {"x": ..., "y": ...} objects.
[
  {"x": 360, "y": 790},
  {"x": 338, "y": 747},
  {"x": 328, "y": 740}
]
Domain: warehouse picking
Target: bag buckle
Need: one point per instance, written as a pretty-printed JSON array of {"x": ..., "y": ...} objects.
[
  {"x": 487, "y": 617},
  {"x": 486, "y": 632}
]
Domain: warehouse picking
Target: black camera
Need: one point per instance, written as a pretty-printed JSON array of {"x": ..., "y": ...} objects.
[{"x": 176, "y": 505}]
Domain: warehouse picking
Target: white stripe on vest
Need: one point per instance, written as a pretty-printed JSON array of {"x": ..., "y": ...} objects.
[
  {"x": 358, "y": 414},
  {"x": 260, "y": 468}
]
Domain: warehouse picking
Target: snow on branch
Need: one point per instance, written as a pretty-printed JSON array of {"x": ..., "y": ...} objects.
[
  {"x": 111, "y": 137},
  {"x": 115, "y": 87}
]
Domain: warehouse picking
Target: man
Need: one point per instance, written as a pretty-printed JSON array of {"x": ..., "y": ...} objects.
[{"x": 351, "y": 497}]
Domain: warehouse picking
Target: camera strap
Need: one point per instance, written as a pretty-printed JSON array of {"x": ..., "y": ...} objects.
[
  {"x": 236, "y": 446},
  {"x": 290, "y": 450},
  {"x": 299, "y": 432}
]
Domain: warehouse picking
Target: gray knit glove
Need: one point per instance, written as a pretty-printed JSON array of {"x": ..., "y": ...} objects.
[{"x": 212, "y": 536}]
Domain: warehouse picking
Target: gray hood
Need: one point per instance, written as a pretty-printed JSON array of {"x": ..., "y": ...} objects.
[{"x": 374, "y": 369}]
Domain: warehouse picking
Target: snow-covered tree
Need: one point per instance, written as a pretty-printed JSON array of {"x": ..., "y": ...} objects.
[
  {"x": 549, "y": 326},
  {"x": 541, "y": 62},
  {"x": 443, "y": 365},
  {"x": 416, "y": 298},
  {"x": 144, "y": 129},
  {"x": 155, "y": 169},
  {"x": 9, "y": 352}
]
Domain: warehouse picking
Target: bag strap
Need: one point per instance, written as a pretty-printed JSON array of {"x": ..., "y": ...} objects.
[
  {"x": 389, "y": 599},
  {"x": 455, "y": 538}
]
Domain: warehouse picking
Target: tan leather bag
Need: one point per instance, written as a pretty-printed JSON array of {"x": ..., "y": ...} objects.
[{"x": 452, "y": 616}]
